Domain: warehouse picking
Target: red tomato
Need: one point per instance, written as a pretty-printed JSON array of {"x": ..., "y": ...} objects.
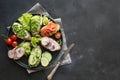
[
  {"x": 8, "y": 41},
  {"x": 58, "y": 35},
  {"x": 13, "y": 37},
  {"x": 14, "y": 44}
]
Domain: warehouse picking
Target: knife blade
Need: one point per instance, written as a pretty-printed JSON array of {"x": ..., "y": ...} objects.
[
  {"x": 66, "y": 52},
  {"x": 49, "y": 77}
]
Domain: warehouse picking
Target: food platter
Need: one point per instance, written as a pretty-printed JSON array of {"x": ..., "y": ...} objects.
[{"x": 24, "y": 60}]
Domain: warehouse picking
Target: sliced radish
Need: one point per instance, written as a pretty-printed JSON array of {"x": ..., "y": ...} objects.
[
  {"x": 11, "y": 53},
  {"x": 45, "y": 41},
  {"x": 19, "y": 53},
  {"x": 50, "y": 44}
]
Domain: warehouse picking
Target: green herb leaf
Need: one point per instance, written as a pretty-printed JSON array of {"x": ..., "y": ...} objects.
[
  {"x": 45, "y": 20},
  {"x": 35, "y": 40}
]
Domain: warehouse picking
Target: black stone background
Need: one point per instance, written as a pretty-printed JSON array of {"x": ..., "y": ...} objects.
[{"x": 93, "y": 25}]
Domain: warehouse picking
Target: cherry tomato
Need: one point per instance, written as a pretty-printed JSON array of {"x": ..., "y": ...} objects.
[
  {"x": 8, "y": 41},
  {"x": 14, "y": 44},
  {"x": 13, "y": 37},
  {"x": 58, "y": 35}
]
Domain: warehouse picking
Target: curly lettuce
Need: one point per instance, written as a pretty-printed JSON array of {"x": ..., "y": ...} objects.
[
  {"x": 35, "y": 40},
  {"x": 25, "y": 21},
  {"x": 27, "y": 49}
]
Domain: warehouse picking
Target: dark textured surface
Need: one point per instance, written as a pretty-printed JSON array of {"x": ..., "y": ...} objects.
[{"x": 94, "y": 25}]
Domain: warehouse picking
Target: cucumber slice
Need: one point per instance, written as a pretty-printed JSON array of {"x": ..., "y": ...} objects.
[
  {"x": 47, "y": 55},
  {"x": 35, "y": 56},
  {"x": 44, "y": 61},
  {"x": 32, "y": 60}
]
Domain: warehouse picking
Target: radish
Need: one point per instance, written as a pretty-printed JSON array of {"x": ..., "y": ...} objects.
[
  {"x": 19, "y": 53},
  {"x": 11, "y": 53},
  {"x": 16, "y": 53},
  {"x": 50, "y": 44}
]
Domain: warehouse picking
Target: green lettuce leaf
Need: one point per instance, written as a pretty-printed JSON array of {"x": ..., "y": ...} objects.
[
  {"x": 35, "y": 40},
  {"x": 45, "y": 20},
  {"x": 25, "y": 21}
]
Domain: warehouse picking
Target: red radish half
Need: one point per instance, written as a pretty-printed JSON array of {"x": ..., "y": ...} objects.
[
  {"x": 11, "y": 53},
  {"x": 16, "y": 54},
  {"x": 19, "y": 53},
  {"x": 50, "y": 44}
]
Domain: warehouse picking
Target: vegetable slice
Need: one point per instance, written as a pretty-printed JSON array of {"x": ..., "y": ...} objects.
[
  {"x": 44, "y": 61},
  {"x": 11, "y": 53},
  {"x": 46, "y": 58},
  {"x": 19, "y": 52},
  {"x": 47, "y": 55},
  {"x": 35, "y": 57},
  {"x": 33, "y": 61}
]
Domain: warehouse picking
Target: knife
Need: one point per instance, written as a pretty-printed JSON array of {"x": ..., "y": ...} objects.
[{"x": 49, "y": 77}]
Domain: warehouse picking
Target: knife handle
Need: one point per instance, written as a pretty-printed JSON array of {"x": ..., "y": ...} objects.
[{"x": 53, "y": 71}]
